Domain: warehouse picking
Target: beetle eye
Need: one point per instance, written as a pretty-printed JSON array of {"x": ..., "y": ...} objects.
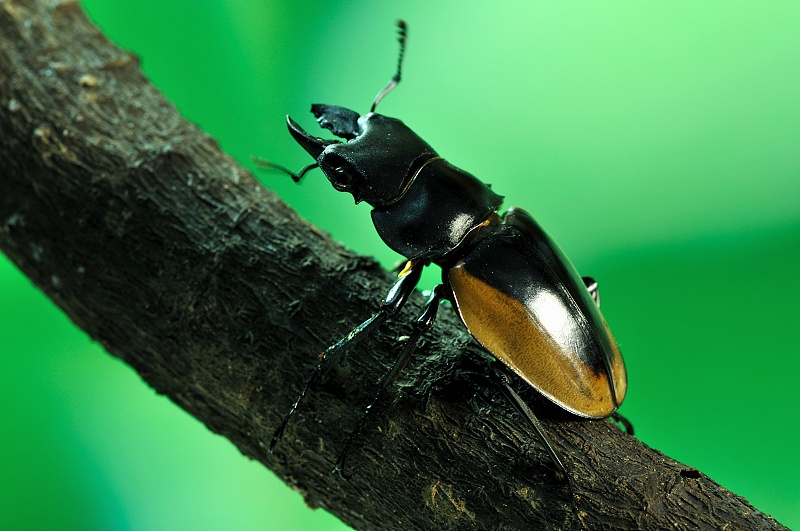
[
  {"x": 339, "y": 172},
  {"x": 342, "y": 174},
  {"x": 340, "y": 178}
]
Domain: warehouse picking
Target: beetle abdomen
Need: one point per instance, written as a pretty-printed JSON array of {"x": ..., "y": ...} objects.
[{"x": 521, "y": 299}]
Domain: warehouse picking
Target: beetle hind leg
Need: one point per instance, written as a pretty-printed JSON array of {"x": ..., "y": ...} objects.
[
  {"x": 501, "y": 378},
  {"x": 626, "y": 424},
  {"x": 422, "y": 324}
]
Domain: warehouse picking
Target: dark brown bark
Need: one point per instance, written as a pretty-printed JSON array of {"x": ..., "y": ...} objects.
[{"x": 177, "y": 261}]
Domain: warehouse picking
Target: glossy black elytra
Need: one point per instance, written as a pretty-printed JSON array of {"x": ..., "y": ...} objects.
[{"x": 511, "y": 285}]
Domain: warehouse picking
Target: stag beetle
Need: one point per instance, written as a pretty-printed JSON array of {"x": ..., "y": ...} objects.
[{"x": 511, "y": 285}]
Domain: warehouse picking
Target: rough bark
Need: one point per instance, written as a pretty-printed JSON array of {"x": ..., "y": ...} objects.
[{"x": 177, "y": 261}]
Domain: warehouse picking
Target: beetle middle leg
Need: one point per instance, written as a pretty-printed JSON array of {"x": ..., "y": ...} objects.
[
  {"x": 422, "y": 324},
  {"x": 395, "y": 300},
  {"x": 594, "y": 291}
]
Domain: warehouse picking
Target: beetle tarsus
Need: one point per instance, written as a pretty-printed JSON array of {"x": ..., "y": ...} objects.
[
  {"x": 276, "y": 437},
  {"x": 338, "y": 469}
]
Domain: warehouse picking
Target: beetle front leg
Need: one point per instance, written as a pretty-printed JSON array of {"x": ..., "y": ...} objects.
[
  {"x": 423, "y": 323},
  {"x": 395, "y": 299}
]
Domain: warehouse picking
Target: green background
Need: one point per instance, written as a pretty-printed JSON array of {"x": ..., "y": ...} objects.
[{"x": 658, "y": 143}]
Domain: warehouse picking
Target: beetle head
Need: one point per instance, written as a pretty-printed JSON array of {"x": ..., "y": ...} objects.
[{"x": 377, "y": 163}]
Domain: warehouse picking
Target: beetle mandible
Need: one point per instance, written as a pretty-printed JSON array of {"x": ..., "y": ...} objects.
[{"x": 511, "y": 285}]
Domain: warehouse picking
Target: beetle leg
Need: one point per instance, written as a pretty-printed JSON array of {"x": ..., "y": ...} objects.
[
  {"x": 399, "y": 266},
  {"x": 422, "y": 324},
  {"x": 594, "y": 291},
  {"x": 268, "y": 165},
  {"x": 501, "y": 378},
  {"x": 395, "y": 299},
  {"x": 627, "y": 424}
]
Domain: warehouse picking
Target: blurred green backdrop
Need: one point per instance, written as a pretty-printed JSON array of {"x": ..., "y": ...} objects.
[{"x": 659, "y": 144}]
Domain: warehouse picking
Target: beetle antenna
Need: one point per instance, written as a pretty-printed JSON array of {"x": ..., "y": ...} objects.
[
  {"x": 402, "y": 31},
  {"x": 265, "y": 164}
]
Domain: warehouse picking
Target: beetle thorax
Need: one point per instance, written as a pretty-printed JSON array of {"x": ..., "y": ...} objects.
[{"x": 438, "y": 210}]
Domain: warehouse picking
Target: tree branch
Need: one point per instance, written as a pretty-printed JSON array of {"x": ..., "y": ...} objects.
[{"x": 177, "y": 261}]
